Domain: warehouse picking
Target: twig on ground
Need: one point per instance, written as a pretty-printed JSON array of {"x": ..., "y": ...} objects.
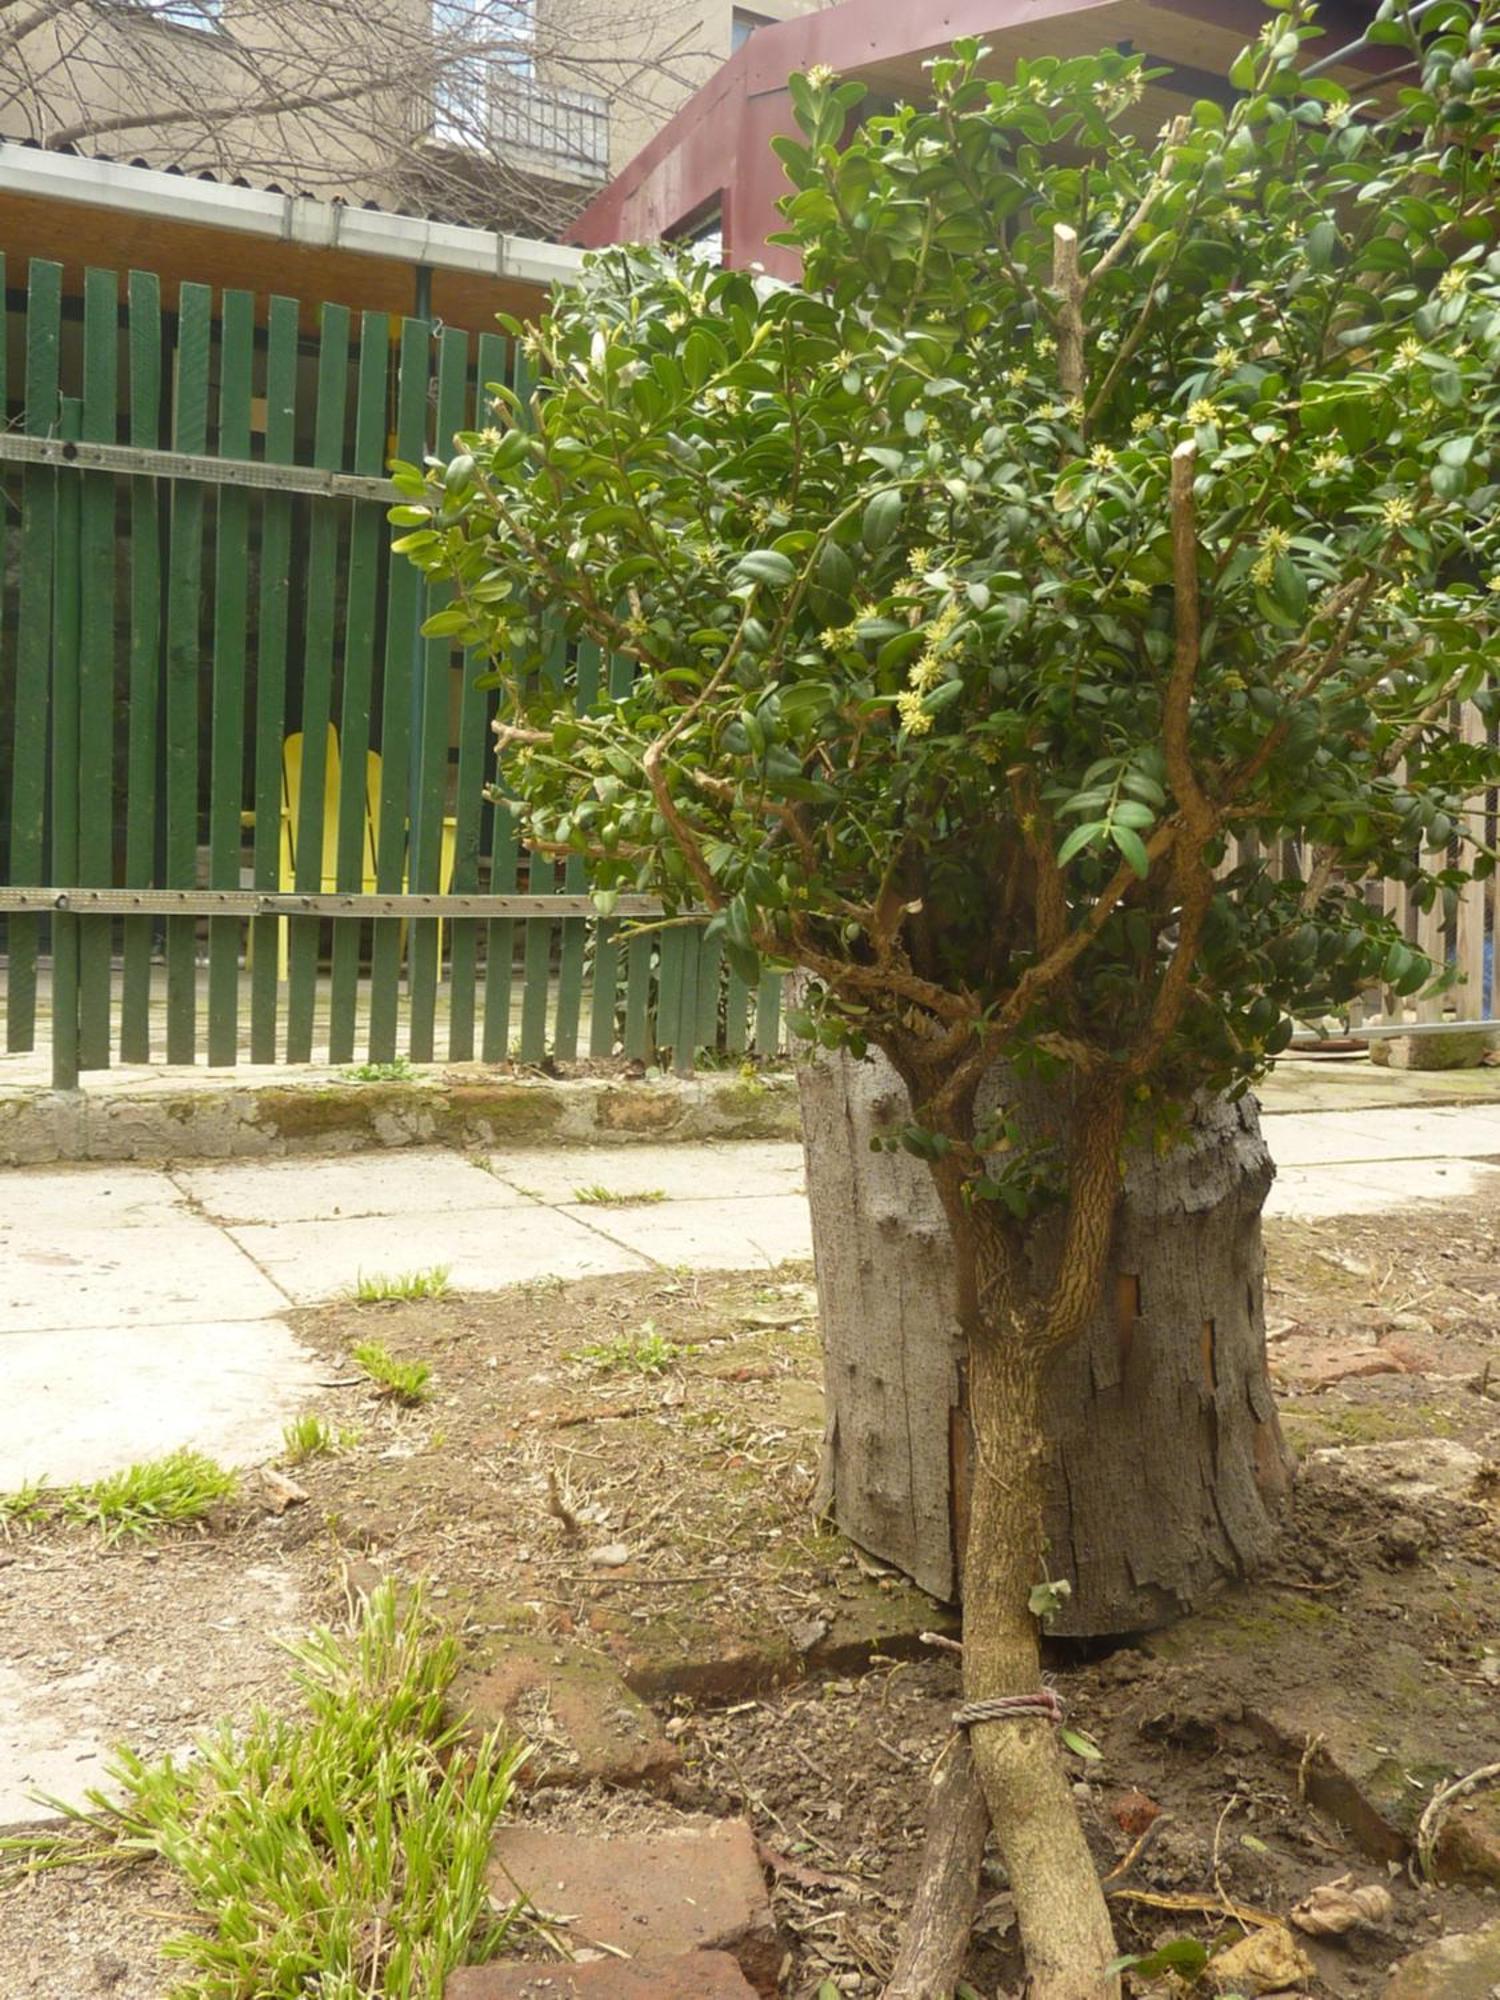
[{"x": 1430, "y": 1825}]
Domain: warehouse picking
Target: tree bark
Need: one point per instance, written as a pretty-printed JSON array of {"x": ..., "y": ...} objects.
[
  {"x": 1164, "y": 1465},
  {"x": 936, "y": 1942}
]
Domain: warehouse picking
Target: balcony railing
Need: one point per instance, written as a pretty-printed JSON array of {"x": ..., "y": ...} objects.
[{"x": 566, "y": 128}]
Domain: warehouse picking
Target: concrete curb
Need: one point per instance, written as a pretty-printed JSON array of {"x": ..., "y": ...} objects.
[{"x": 330, "y": 1113}]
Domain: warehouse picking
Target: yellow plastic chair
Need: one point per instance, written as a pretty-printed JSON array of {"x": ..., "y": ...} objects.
[{"x": 291, "y": 793}]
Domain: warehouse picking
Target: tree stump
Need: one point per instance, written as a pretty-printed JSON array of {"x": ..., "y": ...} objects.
[{"x": 1166, "y": 1459}]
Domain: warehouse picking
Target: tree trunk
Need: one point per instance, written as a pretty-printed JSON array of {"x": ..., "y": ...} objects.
[{"x": 1165, "y": 1462}]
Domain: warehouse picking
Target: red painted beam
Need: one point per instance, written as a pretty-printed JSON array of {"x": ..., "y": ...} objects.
[{"x": 716, "y": 152}]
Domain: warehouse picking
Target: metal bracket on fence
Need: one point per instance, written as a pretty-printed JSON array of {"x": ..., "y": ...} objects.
[
  {"x": 293, "y": 903},
  {"x": 1386, "y": 1030},
  {"x": 140, "y": 462}
]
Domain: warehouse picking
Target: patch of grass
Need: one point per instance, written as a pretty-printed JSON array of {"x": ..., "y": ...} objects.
[
  {"x": 403, "y": 1381},
  {"x": 159, "y": 1493},
  {"x": 344, "y": 1853},
  {"x": 598, "y": 1196},
  {"x": 399, "y": 1071},
  {"x": 27, "y": 1507},
  {"x": 379, "y": 1286},
  {"x": 310, "y": 1436},
  {"x": 644, "y": 1353}
]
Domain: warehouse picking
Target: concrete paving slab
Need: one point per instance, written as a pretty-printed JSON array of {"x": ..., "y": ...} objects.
[
  {"x": 484, "y": 1250},
  {"x": 1459, "y": 1132},
  {"x": 429, "y": 1181},
  {"x": 39, "y": 1199},
  {"x": 757, "y": 1230},
  {"x": 726, "y": 1172},
  {"x": 80, "y": 1405},
  {"x": 180, "y": 1272},
  {"x": 1306, "y": 1194},
  {"x": 41, "y": 1756}
]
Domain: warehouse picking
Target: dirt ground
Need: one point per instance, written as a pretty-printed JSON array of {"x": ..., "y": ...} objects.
[{"x": 627, "y": 1463}]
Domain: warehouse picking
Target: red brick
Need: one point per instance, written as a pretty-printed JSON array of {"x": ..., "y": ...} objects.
[
  {"x": 701, "y": 1975},
  {"x": 584, "y": 1723},
  {"x": 698, "y": 1887}
]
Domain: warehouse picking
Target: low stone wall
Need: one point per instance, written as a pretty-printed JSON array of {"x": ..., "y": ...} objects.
[{"x": 217, "y": 1119}]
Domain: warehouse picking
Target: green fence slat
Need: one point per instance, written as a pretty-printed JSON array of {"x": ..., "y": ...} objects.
[
  {"x": 367, "y": 533},
  {"x": 309, "y": 813},
  {"x": 226, "y": 785},
  {"x": 96, "y": 666},
  {"x": 685, "y": 1033},
  {"x": 710, "y": 992},
  {"x": 671, "y": 945},
  {"x": 736, "y": 1014},
  {"x": 273, "y": 609},
  {"x": 67, "y": 589},
  {"x": 575, "y": 930},
  {"x": 638, "y": 1039},
  {"x": 144, "y": 672},
  {"x": 604, "y": 997},
  {"x": 33, "y": 644},
  {"x": 402, "y": 612},
  {"x": 768, "y": 1015},
  {"x": 541, "y": 880},
  {"x": 430, "y": 835},
  {"x": 473, "y": 751},
  {"x": 184, "y": 662},
  {"x": 611, "y": 959},
  {"x": 504, "y": 849}
]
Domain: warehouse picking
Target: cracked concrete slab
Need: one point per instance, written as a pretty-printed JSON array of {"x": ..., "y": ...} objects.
[
  {"x": 97, "y": 1399},
  {"x": 178, "y": 1271},
  {"x": 433, "y": 1180},
  {"x": 712, "y": 1235},
  {"x": 483, "y": 1250},
  {"x": 681, "y": 1173}
]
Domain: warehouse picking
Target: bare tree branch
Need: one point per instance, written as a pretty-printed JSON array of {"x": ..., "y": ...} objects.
[{"x": 501, "y": 113}]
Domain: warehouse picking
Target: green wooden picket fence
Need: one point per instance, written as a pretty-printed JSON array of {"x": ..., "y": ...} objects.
[{"x": 194, "y": 573}]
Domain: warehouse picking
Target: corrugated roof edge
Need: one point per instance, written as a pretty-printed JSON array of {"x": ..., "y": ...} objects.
[{"x": 175, "y": 196}]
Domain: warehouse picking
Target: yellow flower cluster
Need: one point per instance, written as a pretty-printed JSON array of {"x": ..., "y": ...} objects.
[
  {"x": 1453, "y": 281},
  {"x": 820, "y": 75},
  {"x": 1226, "y": 356},
  {"x": 1141, "y": 422},
  {"x": 1397, "y": 512},
  {"x": 914, "y": 718},
  {"x": 1329, "y": 460},
  {"x": 919, "y": 561},
  {"x": 1102, "y": 458},
  {"x": 1274, "y": 543},
  {"x": 1202, "y": 412},
  {"x": 1408, "y": 354},
  {"x": 836, "y": 637}
]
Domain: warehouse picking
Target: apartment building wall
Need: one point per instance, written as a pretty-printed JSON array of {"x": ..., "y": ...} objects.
[{"x": 375, "y": 102}]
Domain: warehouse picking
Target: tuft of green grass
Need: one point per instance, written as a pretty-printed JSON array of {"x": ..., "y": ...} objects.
[
  {"x": 27, "y": 1507},
  {"x": 343, "y": 1853},
  {"x": 310, "y": 1436},
  {"x": 644, "y": 1353},
  {"x": 378, "y": 1287},
  {"x": 402, "y": 1381},
  {"x": 598, "y": 1196},
  {"x": 399, "y": 1071},
  {"x": 159, "y": 1493}
]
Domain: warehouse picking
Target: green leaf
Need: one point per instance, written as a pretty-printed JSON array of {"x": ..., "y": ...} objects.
[
  {"x": 1081, "y": 837},
  {"x": 1132, "y": 847},
  {"x": 1045, "y": 1600},
  {"x": 765, "y": 566},
  {"x": 882, "y": 517},
  {"x": 1082, "y": 1745}
]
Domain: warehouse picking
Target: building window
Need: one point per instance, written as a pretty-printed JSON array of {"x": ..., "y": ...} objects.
[
  {"x": 182, "y": 13},
  {"x": 742, "y": 25},
  {"x": 481, "y": 46}
]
